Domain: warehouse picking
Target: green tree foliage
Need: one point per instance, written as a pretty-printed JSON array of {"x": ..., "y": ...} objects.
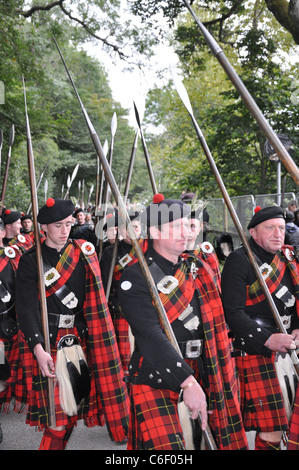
[
  {"x": 60, "y": 137},
  {"x": 257, "y": 48}
]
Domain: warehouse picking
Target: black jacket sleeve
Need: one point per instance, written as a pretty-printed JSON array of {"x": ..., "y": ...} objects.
[
  {"x": 236, "y": 275},
  {"x": 164, "y": 362},
  {"x": 27, "y": 302}
]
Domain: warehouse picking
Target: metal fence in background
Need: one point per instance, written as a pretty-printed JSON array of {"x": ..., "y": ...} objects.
[{"x": 220, "y": 221}]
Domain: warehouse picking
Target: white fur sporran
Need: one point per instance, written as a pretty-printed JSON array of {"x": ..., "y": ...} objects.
[
  {"x": 72, "y": 374},
  {"x": 287, "y": 378}
]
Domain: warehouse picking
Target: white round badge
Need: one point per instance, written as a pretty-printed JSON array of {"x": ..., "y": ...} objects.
[
  {"x": 207, "y": 247},
  {"x": 21, "y": 238},
  {"x": 10, "y": 252},
  {"x": 126, "y": 285},
  {"x": 88, "y": 248}
]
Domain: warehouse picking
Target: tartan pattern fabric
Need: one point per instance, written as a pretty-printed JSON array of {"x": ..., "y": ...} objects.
[
  {"x": 25, "y": 244},
  {"x": 258, "y": 379},
  {"x": 154, "y": 421},
  {"x": 293, "y": 440},
  {"x": 15, "y": 391},
  {"x": 38, "y": 392},
  {"x": 280, "y": 263},
  {"x": 212, "y": 260},
  {"x": 222, "y": 394},
  {"x": 260, "y": 395},
  {"x": 108, "y": 401},
  {"x": 65, "y": 267},
  {"x": 121, "y": 327}
]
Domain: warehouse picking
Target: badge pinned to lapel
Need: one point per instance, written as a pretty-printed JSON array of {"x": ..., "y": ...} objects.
[
  {"x": 51, "y": 276},
  {"x": 88, "y": 248},
  {"x": 10, "y": 252}
]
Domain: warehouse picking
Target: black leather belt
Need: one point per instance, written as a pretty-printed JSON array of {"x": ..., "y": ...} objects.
[{"x": 65, "y": 321}]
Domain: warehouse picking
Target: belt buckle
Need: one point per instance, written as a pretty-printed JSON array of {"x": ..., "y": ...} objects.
[
  {"x": 125, "y": 260},
  {"x": 193, "y": 348},
  {"x": 167, "y": 284},
  {"x": 66, "y": 321}
]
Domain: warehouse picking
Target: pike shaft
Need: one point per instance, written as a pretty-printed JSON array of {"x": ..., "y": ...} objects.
[
  {"x": 42, "y": 292},
  {"x": 143, "y": 264},
  {"x": 244, "y": 240},
  {"x": 248, "y": 100}
]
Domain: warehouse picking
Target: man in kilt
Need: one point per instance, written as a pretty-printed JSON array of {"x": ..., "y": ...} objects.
[
  {"x": 204, "y": 373},
  {"x": 84, "y": 359},
  {"x": 258, "y": 346},
  {"x": 12, "y": 389}
]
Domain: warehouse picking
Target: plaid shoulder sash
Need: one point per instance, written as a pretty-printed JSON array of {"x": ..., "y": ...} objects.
[
  {"x": 9, "y": 254},
  {"x": 182, "y": 291},
  {"x": 55, "y": 278},
  {"x": 23, "y": 241},
  {"x": 283, "y": 260}
]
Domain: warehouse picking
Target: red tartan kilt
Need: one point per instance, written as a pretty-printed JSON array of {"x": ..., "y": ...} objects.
[
  {"x": 36, "y": 385},
  {"x": 154, "y": 422},
  {"x": 121, "y": 327},
  {"x": 260, "y": 395},
  {"x": 15, "y": 391}
]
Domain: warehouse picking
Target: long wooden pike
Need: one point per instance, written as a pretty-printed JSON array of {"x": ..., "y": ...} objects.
[
  {"x": 1, "y": 143},
  {"x": 107, "y": 188},
  {"x": 40, "y": 271},
  {"x": 146, "y": 154},
  {"x": 126, "y": 192},
  {"x": 10, "y": 144},
  {"x": 100, "y": 189},
  {"x": 185, "y": 99},
  {"x": 124, "y": 214},
  {"x": 130, "y": 168},
  {"x": 247, "y": 98}
]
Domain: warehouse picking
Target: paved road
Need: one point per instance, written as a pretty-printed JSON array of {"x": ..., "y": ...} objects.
[{"x": 19, "y": 436}]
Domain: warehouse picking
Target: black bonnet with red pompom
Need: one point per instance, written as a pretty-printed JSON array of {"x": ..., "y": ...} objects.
[
  {"x": 163, "y": 211},
  {"x": 267, "y": 213},
  {"x": 54, "y": 210},
  {"x": 9, "y": 217}
]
